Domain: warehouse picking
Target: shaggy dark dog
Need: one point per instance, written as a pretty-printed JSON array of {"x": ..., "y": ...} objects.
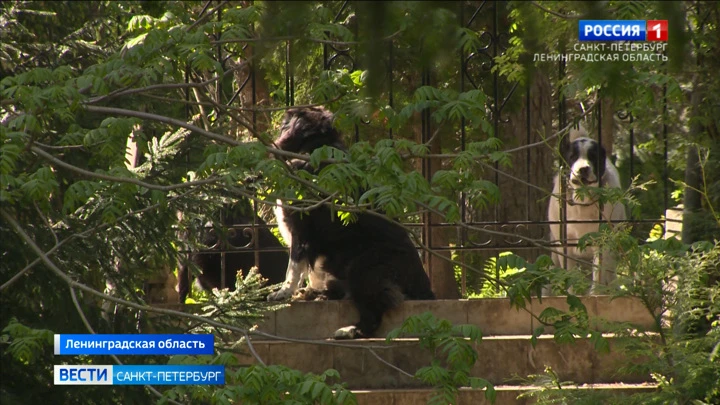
[
  {"x": 271, "y": 264},
  {"x": 371, "y": 261}
]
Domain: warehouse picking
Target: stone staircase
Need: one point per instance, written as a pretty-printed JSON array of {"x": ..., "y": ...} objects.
[{"x": 380, "y": 373}]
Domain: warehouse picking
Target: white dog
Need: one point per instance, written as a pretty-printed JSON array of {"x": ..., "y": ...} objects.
[{"x": 588, "y": 166}]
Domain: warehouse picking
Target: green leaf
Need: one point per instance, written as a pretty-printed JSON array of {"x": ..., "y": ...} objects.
[
  {"x": 600, "y": 343},
  {"x": 551, "y": 314},
  {"x": 536, "y": 333}
]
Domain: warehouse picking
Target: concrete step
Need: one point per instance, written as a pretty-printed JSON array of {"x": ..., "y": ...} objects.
[
  {"x": 375, "y": 364},
  {"x": 494, "y": 316},
  {"x": 505, "y": 395}
]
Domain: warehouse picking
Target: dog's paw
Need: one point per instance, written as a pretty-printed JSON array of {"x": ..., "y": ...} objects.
[
  {"x": 280, "y": 295},
  {"x": 309, "y": 294},
  {"x": 348, "y": 332}
]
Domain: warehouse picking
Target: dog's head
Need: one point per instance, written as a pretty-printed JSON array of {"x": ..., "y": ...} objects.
[
  {"x": 586, "y": 159},
  {"x": 305, "y": 129}
]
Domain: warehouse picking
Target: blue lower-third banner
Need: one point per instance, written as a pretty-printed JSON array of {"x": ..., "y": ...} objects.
[
  {"x": 139, "y": 375},
  {"x": 133, "y": 344}
]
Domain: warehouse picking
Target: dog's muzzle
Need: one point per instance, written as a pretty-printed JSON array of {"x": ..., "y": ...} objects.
[{"x": 583, "y": 176}]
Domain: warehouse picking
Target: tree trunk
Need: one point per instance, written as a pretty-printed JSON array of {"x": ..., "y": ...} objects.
[{"x": 692, "y": 201}]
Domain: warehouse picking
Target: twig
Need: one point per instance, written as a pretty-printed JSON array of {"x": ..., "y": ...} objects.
[
  {"x": 46, "y": 221},
  {"x": 387, "y": 363},
  {"x": 62, "y": 147},
  {"x": 555, "y": 13},
  {"x": 137, "y": 182},
  {"x": 80, "y": 286},
  {"x": 84, "y": 234},
  {"x": 535, "y": 242},
  {"x": 170, "y": 86},
  {"x": 271, "y": 109},
  {"x": 191, "y": 127},
  {"x": 207, "y": 14},
  {"x": 544, "y": 141},
  {"x": 293, "y": 38},
  {"x": 252, "y": 349},
  {"x": 510, "y": 176},
  {"x": 161, "y": 118},
  {"x": 114, "y": 357}
]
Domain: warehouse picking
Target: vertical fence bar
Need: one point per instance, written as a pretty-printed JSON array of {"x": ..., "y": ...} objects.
[
  {"x": 463, "y": 211},
  {"x": 218, "y": 84},
  {"x": 666, "y": 183},
  {"x": 188, "y": 113},
  {"x": 223, "y": 248},
  {"x": 253, "y": 100},
  {"x": 562, "y": 121},
  {"x": 391, "y": 100},
  {"x": 597, "y": 158},
  {"x": 496, "y": 95},
  {"x": 496, "y": 124},
  {"x": 426, "y": 169},
  {"x": 528, "y": 138},
  {"x": 289, "y": 79},
  {"x": 632, "y": 155}
]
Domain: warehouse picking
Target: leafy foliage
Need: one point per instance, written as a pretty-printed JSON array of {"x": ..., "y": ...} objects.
[
  {"x": 259, "y": 384},
  {"x": 678, "y": 285},
  {"x": 243, "y": 308},
  {"x": 25, "y": 343},
  {"x": 452, "y": 346},
  {"x": 118, "y": 115}
]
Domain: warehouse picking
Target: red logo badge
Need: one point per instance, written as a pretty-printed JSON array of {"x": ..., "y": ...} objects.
[{"x": 657, "y": 30}]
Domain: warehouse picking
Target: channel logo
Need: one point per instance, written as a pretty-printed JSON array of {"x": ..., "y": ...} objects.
[
  {"x": 83, "y": 375},
  {"x": 657, "y": 30},
  {"x": 623, "y": 30},
  {"x": 170, "y": 374}
]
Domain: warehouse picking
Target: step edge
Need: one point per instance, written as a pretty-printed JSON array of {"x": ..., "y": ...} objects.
[
  {"x": 512, "y": 388},
  {"x": 361, "y": 342}
]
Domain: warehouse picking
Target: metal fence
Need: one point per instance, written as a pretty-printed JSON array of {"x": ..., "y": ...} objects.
[{"x": 521, "y": 116}]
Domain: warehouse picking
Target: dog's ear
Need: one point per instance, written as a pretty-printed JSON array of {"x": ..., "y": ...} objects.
[
  {"x": 564, "y": 146},
  {"x": 601, "y": 156}
]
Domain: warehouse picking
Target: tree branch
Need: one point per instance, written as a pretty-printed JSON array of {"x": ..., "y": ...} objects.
[
  {"x": 164, "y": 86},
  {"x": 90, "y": 329},
  {"x": 85, "y": 233},
  {"x": 161, "y": 118},
  {"x": 280, "y": 152},
  {"x": 272, "y": 109},
  {"x": 137, "y": 182},
  {"x": 535, "y": 242},
  {"x": 191, "y": 127},
  {"x": 82, "y": 287},
  {"x": 207, "y": 14},
  {"x": 310, "y": 39},
  {"x": 555, "y": 13}
]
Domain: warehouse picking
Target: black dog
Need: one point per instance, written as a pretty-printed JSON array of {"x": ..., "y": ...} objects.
[
  {"x": 271, "y": 264},
  {"x": 372, "y": 260}
]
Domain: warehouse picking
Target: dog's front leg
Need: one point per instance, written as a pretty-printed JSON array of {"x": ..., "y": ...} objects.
[
  {"x": 293, "y": 278},
  {"x": 297, "y": 268}
]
